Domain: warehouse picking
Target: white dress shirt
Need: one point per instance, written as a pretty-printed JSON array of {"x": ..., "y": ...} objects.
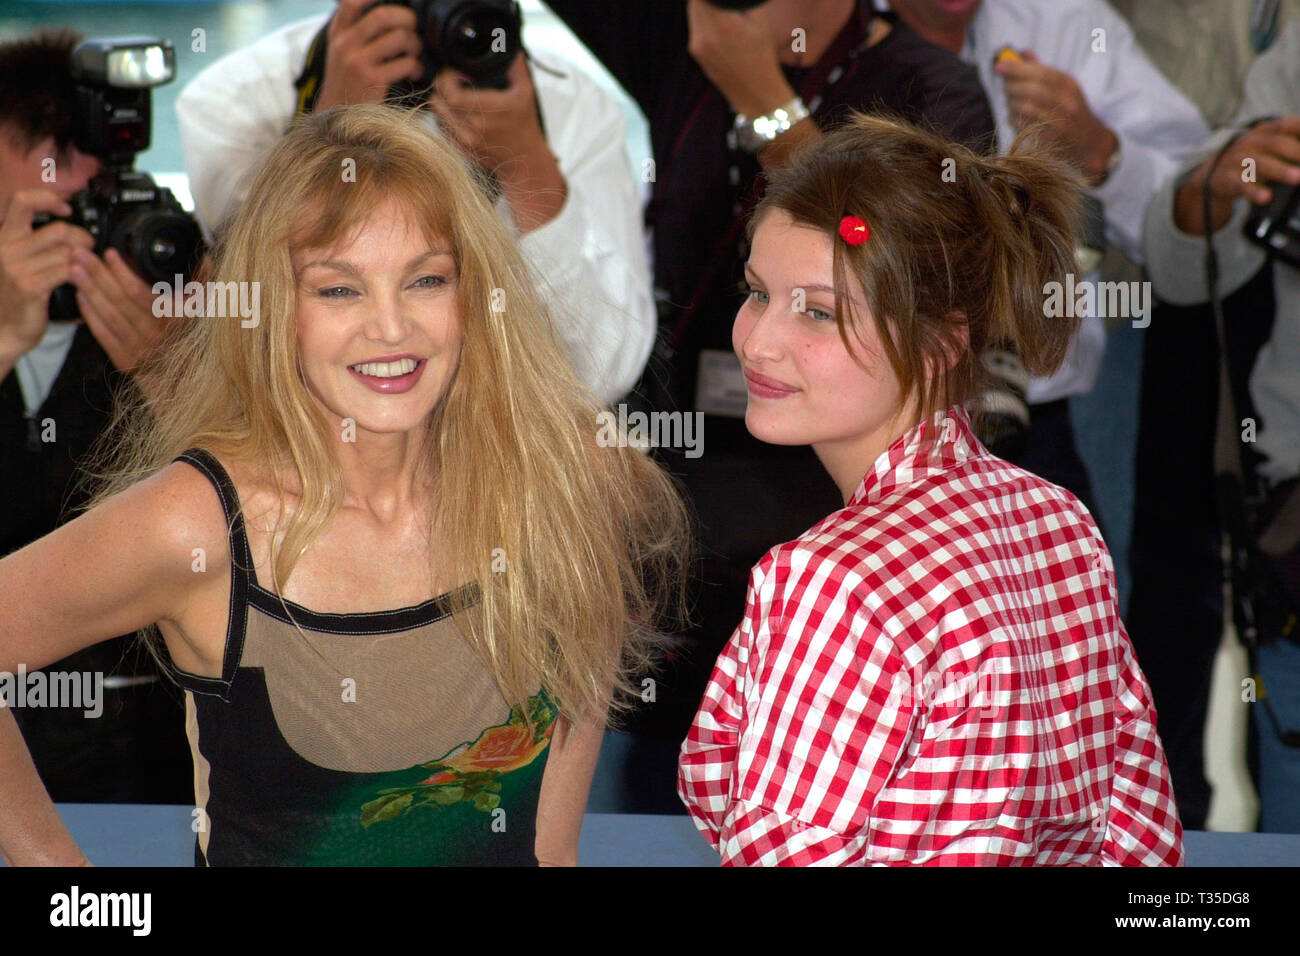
[
  {"x": 591, "y": 255},
  {"x": 1155, "y": 124},
  {"x": 1175, "y": 261},
  {"x": 39, "y": 367}
]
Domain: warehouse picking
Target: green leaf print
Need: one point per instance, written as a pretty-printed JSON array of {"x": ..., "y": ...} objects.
[
  {"x": 385, "y": 808},
  {"x": 472, "y": 771}
]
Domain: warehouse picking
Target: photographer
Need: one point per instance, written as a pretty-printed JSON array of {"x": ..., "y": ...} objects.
[
  {"x": 1260, "y": 297},
  {"x": 1075, "y": 69},
  {"x": 56, "y": 392},
  {"x": 42, "y": 169},
  {"x": 551, "y": 139}
]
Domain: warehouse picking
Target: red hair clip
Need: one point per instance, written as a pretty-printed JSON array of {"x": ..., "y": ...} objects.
[{"x": 854, "y": 231}]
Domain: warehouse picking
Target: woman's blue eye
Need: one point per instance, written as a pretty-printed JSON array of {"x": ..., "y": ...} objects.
[
  {"x": 430, "y": 282},
  {"x": 821, "y": 315},
  {"x": 334, "y": 292},
  {"x": 758, "y": 295}
]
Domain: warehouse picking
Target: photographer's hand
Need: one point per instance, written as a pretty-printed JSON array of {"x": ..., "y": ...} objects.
[
  {"x": 117, "y": 306},
  {"x": 368, "y": 51},
  {"x": 501, "y": 131},
  {"x": 1273, "y": 148},
  {"x": 735, "y": 52},
  {"x": 33, "y": 262},
  {"x": 1038, "y": 93}
]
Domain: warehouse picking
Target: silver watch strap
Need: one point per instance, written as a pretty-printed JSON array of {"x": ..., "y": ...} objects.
[{"x": 753, "y": 134}]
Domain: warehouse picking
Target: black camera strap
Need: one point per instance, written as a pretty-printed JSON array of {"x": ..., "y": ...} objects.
[
  {"x": 1240, "y": 491},
  {"x": 309, "y": 81}
]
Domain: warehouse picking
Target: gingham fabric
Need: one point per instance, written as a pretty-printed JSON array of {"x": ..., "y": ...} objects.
[{"x": 936, "y": 674}]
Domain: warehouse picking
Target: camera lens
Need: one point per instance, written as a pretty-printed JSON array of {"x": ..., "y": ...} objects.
[
  {"x": 480, "y": 38},
  {"x": 473, "y": 36},
  {"x": 161, "y": 242}
]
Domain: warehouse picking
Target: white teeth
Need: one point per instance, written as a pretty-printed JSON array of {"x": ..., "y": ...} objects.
[{"x": 387, "y": 369}]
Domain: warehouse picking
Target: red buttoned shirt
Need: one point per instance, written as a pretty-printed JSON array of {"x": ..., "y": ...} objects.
[{"x": 937, "y": 673}]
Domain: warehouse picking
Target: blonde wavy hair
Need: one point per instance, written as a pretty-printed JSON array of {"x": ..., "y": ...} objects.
[{"x": 596, "y": 539}]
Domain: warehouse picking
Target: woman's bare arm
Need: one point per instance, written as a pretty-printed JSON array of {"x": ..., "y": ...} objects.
[
  {"x": 122, "y": 566},
  {"x": 565, "y": 785}
]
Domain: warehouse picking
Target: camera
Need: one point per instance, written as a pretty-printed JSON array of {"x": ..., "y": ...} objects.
[
  {"x": 121, "y": 208},
  {"x": 480, "y": 38},
  {"x": 1276, "y": 226}
]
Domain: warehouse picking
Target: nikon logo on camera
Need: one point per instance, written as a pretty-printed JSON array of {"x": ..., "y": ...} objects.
[{"x": 213, "y": 300}]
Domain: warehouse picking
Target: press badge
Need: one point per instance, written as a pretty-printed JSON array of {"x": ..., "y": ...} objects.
[{"x": 720, "y": 388}]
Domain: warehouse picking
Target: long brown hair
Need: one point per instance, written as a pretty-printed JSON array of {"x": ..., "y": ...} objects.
[
  {"x": 961, "y": 248},
  {"x": 593, "y": 540}
]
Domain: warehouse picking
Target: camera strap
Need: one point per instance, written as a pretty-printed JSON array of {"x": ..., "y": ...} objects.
[
  {"x": 312, "y": 76},
  {"x": 829, "y": 70},
  {"x": 1240, "y": 495},
  {"x": 1229, "y": 452}
]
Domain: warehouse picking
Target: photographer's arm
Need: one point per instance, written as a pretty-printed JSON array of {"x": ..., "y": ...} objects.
[
  {"x": 1175, "y": 227},
  {"x": 502, "y": 132},
  {"x": 371, "y": 47},
  {"x": 118, "y": 307},
  {"x": 1270, "y": 150},
  {"x": 734, "y": 49},
  {"x": 119, "y": 567},
  {"x": 591, "y": 254},
  {"x": 33, "y": 262}
]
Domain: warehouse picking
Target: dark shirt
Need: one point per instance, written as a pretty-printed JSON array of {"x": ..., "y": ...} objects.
[
  {"x": 136, "y": 750},
  {"x": 36, "y": 477}
]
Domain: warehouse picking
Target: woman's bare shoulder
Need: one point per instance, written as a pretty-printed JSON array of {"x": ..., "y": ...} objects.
[
  {"x": 187, "y": 512},
  {"x": 257, "y": 493}
]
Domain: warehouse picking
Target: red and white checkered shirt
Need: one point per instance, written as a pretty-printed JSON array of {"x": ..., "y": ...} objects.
[{"x": 936, "y": 674}]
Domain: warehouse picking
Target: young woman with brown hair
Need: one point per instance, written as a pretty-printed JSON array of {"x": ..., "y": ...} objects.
[{"x": 937, "y": 673}]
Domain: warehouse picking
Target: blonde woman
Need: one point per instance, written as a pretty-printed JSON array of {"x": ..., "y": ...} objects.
[
  {"x": 386, "y": 558},
  {"x": 937, "y": 672}
]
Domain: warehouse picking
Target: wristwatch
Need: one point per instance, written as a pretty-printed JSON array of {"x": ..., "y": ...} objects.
[{"x": 753, "y": 134}]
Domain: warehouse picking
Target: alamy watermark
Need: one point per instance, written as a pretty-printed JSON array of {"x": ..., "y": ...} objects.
[
  {"x": 987, "y": 692},
  {"x": 645, "y": 430},
  {"x": 215, "y": 300},
  {"x": 1106, "y": 300},
  {"x": 133, "y": 911},
  {"x": 78, "y": 690}
]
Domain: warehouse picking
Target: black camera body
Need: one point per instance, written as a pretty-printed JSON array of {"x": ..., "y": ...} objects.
[
  {"x": 480, "y": 38},
  {"x": 143, "y": 221},
  {"x": 121, "y": 208},
  {"x": 1276, "y": 226}
]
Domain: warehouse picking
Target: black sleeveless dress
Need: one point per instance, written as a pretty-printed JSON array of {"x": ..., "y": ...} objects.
[{"x": 355, "y": 739}]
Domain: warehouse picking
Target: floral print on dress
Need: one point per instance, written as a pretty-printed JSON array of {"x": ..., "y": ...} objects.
[{"x": 471, "y": 772}]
